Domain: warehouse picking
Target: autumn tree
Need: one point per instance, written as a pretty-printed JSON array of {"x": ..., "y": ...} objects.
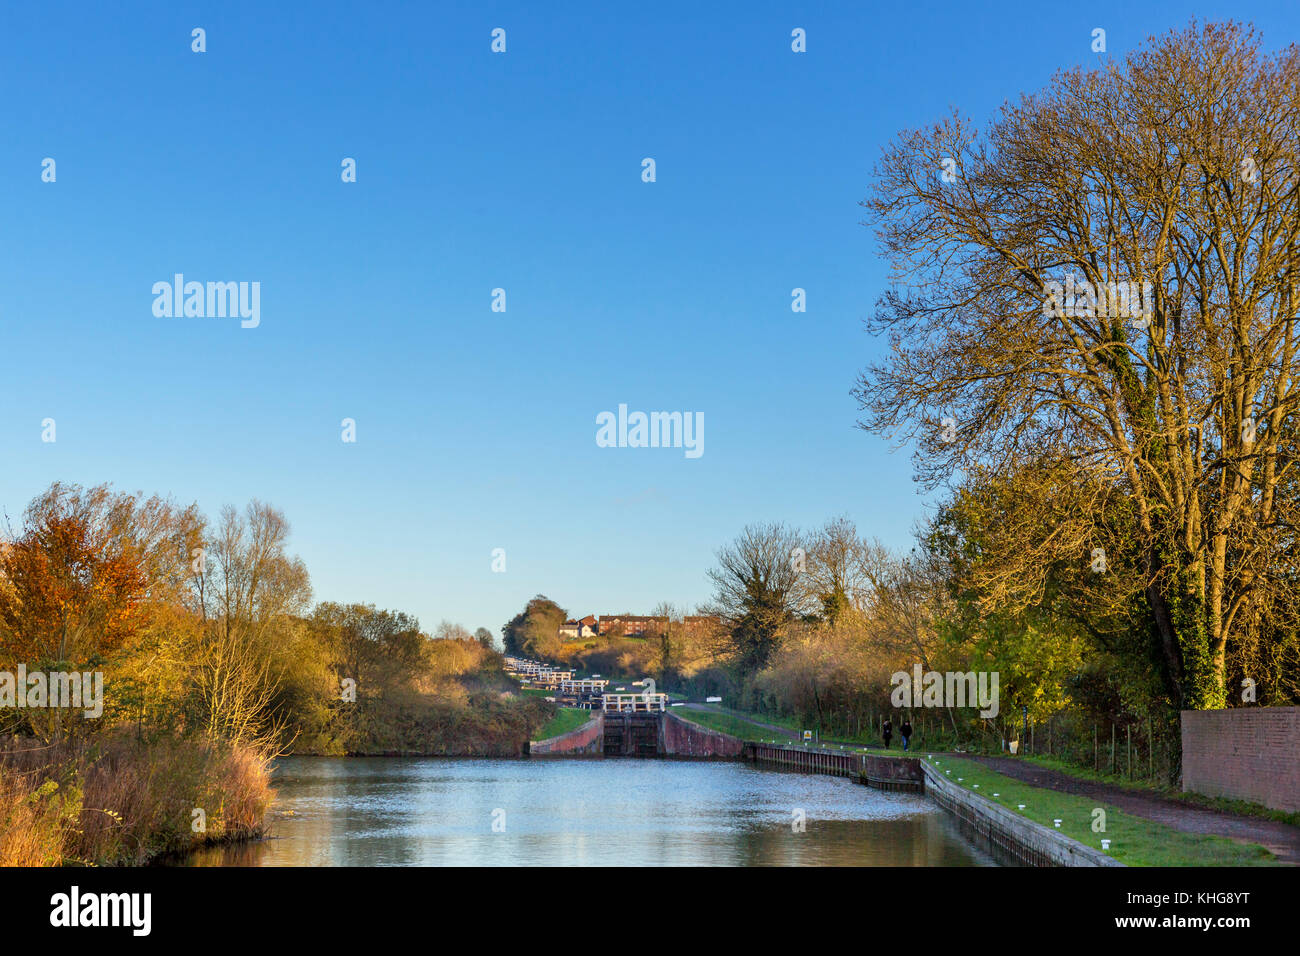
[
  {"x": 88, "y": 572},
  {"x": 380, "y": 650},
  {"x": 534, "y": 631},
  {"x": 1105, "y": 277}
]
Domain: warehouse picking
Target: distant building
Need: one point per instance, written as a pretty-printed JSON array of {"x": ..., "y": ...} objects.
[
  {"x": 642, "y": 625},
  {"x": 576, "y": 630},
  {"x": 636, "y": 625},
  {"x": 616, "y": 624},
  {"x": 632, "y": 625}
]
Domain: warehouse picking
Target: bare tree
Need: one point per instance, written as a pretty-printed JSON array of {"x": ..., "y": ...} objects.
[
  {"x": 669, "y": 629},
  {"x": 832, "y": 580},
  {"x": 247, "y": 587},
  {"x": 236, "y": 685},
  {"x": 447, "y": 631},
  {"x": 755, "y": 589}
]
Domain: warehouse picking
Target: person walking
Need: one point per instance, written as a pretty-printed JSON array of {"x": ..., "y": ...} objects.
[
  {"x": 887, "y": 731},
  {"x": 905, "y": 731}
]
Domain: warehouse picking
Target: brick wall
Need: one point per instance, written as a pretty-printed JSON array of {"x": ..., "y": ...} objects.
[
  {"x": 587, "y": 739},
  {"x": 684, "y": 739},
  {"x": 893, "y": 773},
  {"x": 1246, "y": 753}
]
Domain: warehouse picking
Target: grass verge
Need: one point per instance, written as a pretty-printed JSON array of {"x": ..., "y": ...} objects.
[
  {"x": 1134, "y": 840},
  {"x": 565, "y": 720},
  {"x": 734, "y": 725},
  {"x": 1238, "y": 807}
]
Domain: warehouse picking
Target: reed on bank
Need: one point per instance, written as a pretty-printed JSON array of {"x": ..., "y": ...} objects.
[{"x": 121, "y": 801}]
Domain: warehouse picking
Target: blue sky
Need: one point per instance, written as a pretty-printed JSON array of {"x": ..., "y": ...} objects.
[{"x": 476, "y": 429}]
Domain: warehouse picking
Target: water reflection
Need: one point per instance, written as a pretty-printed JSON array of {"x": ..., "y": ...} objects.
[{"x": 422, "y": 812}]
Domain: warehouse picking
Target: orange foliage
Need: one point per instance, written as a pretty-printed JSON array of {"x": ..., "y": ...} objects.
[{"x": 75, "y": 581}]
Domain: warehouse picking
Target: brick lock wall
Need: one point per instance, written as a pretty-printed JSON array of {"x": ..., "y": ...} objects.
[
  {"x": 1245, "y": 753},
  {"x": 682, "y": 738},
  {"x": 587, "y": 739}
]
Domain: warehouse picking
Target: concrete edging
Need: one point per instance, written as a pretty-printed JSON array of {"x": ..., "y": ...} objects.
[{"x": 1006, "y": 835}]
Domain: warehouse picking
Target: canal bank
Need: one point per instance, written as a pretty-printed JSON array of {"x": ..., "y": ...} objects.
[{"x": 1003, "y": 834}]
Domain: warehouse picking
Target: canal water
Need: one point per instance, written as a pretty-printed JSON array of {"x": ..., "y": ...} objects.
[{"x": 390, "y": 811}]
